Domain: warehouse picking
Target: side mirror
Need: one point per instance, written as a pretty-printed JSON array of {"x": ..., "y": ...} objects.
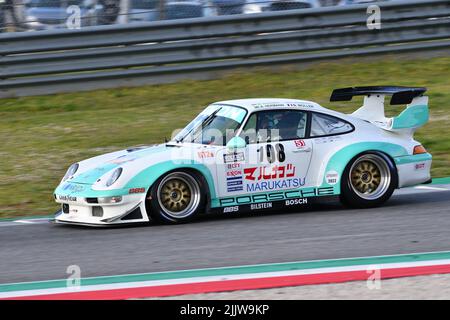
[{"x": 236, "y": 143}]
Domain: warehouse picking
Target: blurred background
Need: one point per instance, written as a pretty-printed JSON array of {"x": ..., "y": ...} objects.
[{"x": 35, "y": 15}]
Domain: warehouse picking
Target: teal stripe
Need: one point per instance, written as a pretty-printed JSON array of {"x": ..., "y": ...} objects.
[
  {"x": 445, "y": 180},
  {"x": 277, "y": 267},
  {"x": 414, "y": 158}
]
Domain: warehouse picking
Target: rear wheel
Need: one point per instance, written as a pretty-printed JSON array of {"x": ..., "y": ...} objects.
[
  {"x": 177, "y": 197},
  {"x": 368, "y": 180}
]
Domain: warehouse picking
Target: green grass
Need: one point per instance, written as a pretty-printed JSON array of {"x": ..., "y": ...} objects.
[{"x": 41, "y": 136}]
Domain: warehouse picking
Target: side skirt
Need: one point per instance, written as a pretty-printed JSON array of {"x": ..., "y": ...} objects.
[{"x": 286, "y": 204}]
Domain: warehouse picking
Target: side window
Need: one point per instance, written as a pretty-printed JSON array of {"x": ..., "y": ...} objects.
[
  {"x": 324, "y": 125},
  {"x": 265, "y": 126}
]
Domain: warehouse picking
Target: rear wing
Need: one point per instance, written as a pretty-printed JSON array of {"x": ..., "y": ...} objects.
[{"x": 408, "y": 121}]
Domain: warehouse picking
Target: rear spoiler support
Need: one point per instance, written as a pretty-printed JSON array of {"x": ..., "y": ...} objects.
[{"x": 414, "y": 116}]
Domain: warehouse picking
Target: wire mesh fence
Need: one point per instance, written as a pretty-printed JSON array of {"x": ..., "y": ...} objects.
[{"x": 37, "y": 15}]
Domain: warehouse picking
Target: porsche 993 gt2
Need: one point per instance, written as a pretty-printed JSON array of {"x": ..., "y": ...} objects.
[{"x": 253, "y": 155}]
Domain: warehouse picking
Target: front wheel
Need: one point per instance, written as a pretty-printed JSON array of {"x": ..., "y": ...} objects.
[
  {"x": 368, "y": 180},
  {"x": 176, "y": 197}
]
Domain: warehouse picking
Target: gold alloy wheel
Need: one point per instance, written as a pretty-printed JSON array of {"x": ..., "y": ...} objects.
[
  {"x": 370, "y": 176},
  {"x": 178, "y": 195},
  {"x": 175, "y": 195},
  {"x": 366, "y": 177}
]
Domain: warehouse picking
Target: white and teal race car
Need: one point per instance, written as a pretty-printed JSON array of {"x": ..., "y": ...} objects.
[{"x": 256, "y": 154}]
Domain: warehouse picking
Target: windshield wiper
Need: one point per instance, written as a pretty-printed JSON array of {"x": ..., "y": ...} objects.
[{"x": 204, "y": 123}]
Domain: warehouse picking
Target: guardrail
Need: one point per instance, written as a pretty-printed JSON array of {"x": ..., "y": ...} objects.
[{"x": 166, "y": 51}]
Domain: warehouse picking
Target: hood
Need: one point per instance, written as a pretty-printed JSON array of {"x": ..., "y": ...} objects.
[
  {"x": 92, "y": 169},
  {"x": 139, "y": 160}
]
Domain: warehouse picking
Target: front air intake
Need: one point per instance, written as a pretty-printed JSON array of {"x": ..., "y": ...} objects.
[
  {"x": 135, "y": 214},
  {"x": 97, "y": 211}
]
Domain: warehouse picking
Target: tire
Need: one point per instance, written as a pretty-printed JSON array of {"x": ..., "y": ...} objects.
[
  {"x": 177, "y": 197},
  {"x": 368, "y": 180}
]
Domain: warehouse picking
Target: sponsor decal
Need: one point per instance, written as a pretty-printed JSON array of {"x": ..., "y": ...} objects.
[
  {"x": 233, "y": 166},
  {"x": 332, "y": 177},
  {"x": 296, "y": 202},
  {"x": 269, "y": 173},
  {"x": 231, "y": 209},
  {"x": 234, "y": 181},
  {"x": 234, "y": 189},
  {"x": 67, "y": 198},
  {"x": 277, "y": 196},
  {"x": 330, "y": 139},
  {"x": 300, "y": 143},
  {"x": 419, "y": 166},
  {"x": 234, "y": 173},
  {"x": 276, "y": 184},
  {"x": 205, "y": 154},
  {"x": 136, "y": 190},
  {"x": 234, "y": 177},
  {"x": 259, "y": 206},
  {"x": 272, "y": 178},
  {"x": 73, "y": 187},
  {"x": 235, "y": 184},
  {"x": 233, "y": 157}
]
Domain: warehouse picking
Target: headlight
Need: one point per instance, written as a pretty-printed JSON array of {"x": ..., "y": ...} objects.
[
  {"x": 104, "y": 200},
  {"x": 114, "y": 176},
  {"x": 71, "y": 171}
]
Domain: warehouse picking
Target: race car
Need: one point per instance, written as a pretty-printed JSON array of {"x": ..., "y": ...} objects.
[{"x": 252, "y": 155}]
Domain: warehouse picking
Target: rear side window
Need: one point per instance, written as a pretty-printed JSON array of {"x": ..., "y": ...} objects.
[{"x": 325, "y": 125}]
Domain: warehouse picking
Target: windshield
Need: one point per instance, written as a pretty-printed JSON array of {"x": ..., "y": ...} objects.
[{"x": 215, "y": 125}]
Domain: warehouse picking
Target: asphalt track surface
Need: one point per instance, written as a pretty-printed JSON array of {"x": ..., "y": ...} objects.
[{"x": 414, "y": 220}]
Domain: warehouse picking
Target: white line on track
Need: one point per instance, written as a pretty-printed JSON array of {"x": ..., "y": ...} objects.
[
  {"x": 432, "y": 188},
  {"x": 22, "y": 222}
]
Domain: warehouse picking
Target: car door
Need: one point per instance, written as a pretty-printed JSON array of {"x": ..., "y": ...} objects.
[{"x": 275, "y": 158}]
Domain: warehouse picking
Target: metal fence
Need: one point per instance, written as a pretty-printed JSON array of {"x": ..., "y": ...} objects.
[
  {"x": 166, "y": 51},
  {"x": 38, "y": 15}
]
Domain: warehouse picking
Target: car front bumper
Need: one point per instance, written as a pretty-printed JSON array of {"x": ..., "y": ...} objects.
[{"x": 77, "y": 210}]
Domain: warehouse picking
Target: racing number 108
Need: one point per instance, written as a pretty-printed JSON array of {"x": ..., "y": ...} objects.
[{"x": 271, "y": 154}]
